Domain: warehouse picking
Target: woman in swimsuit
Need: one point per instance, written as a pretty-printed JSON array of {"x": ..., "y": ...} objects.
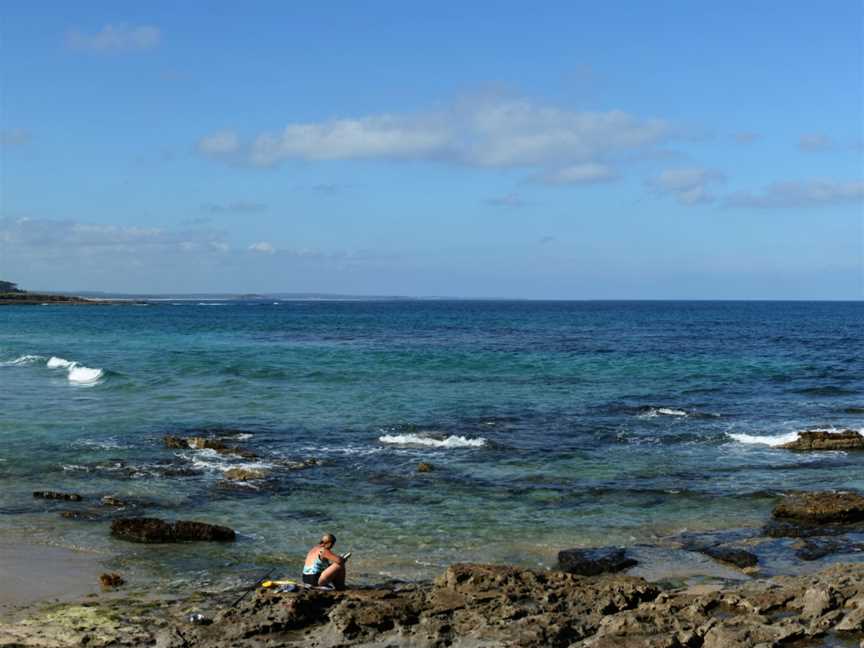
[{"x": 322, "y": 566}]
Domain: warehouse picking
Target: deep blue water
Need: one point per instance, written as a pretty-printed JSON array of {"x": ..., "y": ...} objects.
[{"x": 549, "y": 424}]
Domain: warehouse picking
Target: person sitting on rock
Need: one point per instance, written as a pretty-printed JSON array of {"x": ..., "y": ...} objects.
[{"x": 323, "y": 567}]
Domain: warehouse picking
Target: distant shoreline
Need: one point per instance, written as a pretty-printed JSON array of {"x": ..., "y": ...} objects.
[{"x": 37, "y": 299}]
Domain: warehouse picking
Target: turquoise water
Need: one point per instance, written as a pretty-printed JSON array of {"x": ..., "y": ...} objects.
[{"x": 549, "y": 424}]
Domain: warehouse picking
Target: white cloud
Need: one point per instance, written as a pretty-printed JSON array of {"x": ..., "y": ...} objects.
[
  {"x": 383, "y": 136},
  {"x": 219, "y": 143},
  {"x": 115, "y": 38},
  {"x": 498, "y": 132},
  {"x": 689, "y": 186},
  {"x": 806, "y": 193},
  {"x": 587, "y": 173},
  {"x": 815, "y": 143},
  {"x": 14, "y": 137},
  {"x": 49, "y": 236},
  {"x": 263, "y": 248}
]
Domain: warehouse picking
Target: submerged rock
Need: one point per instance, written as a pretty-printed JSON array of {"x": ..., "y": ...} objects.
[
  {"x": 299, "y": 465},
  {"x": 740, "y": 558},
  {"x": 814, "y": 549},
  {"x": 246, "y": 474},
  {"x": 56, "y": 495},
  {"x": 821, "y": 508},
  {"x": 154, "y": 530},
  {"x": 85, "y": 516},
  {"x": 591, "y": 562},
  {"x": 822, "y": 440},
  {"x": 116, "y": 502}
]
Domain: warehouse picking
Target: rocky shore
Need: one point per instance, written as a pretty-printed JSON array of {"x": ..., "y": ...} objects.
[
  {"x": 594, "y": 598},
  {"x": 474, "y": 605}
]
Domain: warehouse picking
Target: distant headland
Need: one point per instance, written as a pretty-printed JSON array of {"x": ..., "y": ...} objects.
[{"x": 12, "y": 295}]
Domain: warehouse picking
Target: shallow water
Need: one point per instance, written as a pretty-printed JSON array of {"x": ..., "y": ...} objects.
[{"x": 549, "y": 424}]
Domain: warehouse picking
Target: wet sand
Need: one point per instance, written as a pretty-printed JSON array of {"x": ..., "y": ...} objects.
[{"x": 31, "y": 573}]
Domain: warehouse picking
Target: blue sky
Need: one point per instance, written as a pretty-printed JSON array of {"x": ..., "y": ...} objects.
[{"x": 566, "y": 150}]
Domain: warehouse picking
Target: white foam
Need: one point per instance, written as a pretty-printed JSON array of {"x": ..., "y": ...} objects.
[
  {"x": 210, "y": 460},
  {"x": 772, "y": 441},
  {"x": 59, "y": 363},
  {"x": 662, "y": 411},
  {"x": 22, "y": 360},
  {"x": 452, "y": 441},
  {"x": 84, "y": 375}
]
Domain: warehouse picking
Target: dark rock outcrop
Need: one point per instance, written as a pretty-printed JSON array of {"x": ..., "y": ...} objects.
[
  {"x": 822, "y": 440},
  {"x": 824, "y": 507},
  {"x": 591, "y": 562},
  {"x": 154, "y": 530},
  {"x": 56, "y": 495},
  {"x": 477, "y": 605},
  {"x": 111, "y": 580},
  {"x": 207, "y": 443}
]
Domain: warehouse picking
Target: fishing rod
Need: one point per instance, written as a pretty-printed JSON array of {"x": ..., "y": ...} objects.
[{"x": 259, "y": 581}]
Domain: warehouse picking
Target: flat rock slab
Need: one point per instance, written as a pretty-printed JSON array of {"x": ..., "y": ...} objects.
[
  {"x": 154, "y": 530},
  {"x": 821, "y": 507},
  {"x": 591, "y": 562},
  {"x": 821, "y": 440}
]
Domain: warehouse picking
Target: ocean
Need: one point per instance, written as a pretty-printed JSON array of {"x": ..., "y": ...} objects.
[{"x": 548, "y": 424}]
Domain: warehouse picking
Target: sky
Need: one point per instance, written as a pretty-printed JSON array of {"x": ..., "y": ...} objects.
[{"x": 572, "y": 150}]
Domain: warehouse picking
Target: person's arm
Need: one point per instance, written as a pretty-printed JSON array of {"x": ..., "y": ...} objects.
[{"x": 332, "y": 557}]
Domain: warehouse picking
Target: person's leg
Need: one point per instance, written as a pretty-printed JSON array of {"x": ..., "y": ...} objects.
[{"x": 333, "y": 574}]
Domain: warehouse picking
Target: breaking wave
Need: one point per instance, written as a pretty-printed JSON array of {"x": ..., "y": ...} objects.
[
  {"x": 76, "y": 372},
  {"x": 780, "y": 439},
  {"x": 452, "y": 441},
  {"x": 84, "y": 375},
  {"x": 59, "y": 363},
  {"x": 773, "y": 441},
  {"x": 21, "y": 361}
]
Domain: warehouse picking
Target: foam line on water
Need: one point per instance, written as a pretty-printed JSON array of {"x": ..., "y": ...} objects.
[{"x": 452, "y": 441}]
